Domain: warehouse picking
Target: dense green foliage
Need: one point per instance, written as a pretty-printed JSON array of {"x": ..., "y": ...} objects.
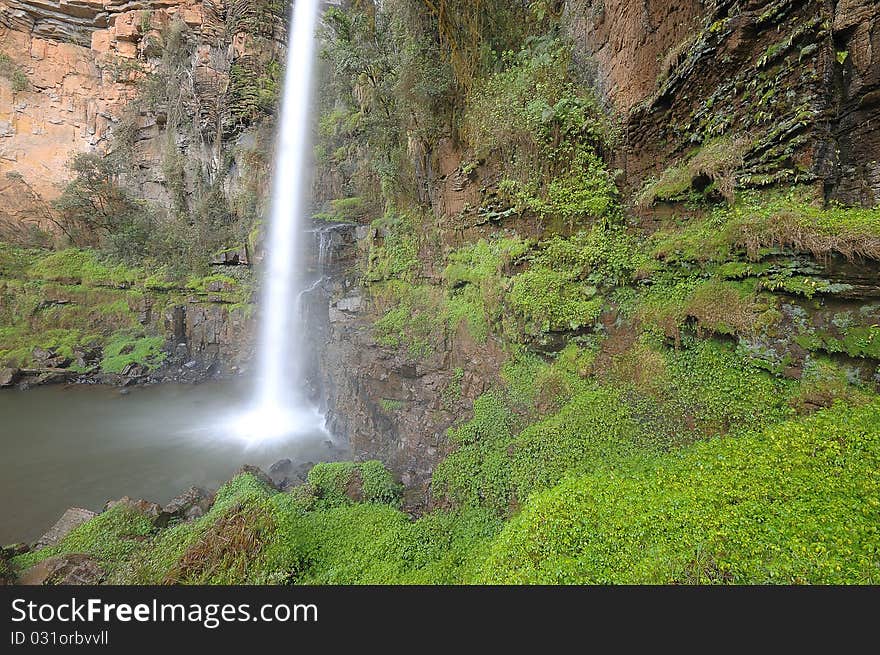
[{"x": 794, "y": 503}]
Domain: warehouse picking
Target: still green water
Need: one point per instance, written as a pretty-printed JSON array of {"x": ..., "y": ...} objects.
[{"x": 81, "y": 446}]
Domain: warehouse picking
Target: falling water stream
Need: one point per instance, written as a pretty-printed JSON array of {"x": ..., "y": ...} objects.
[
  {"x": 96, "y": 443},
  {"x": 281, "y": 408}
]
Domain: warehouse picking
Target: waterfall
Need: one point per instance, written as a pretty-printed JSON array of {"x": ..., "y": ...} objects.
[{"x": 281, "y": 406}]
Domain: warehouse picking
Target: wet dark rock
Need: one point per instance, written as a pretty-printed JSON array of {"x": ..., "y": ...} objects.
[
  {"x": 350, "y": 304},
  {"x": 191, "y": 504},
  {"x": 49, "y": 358},
  {"x": 235, "y": 257},
  {"x": 86, "y": 358},
  {"x": 73, "y": 569},
  {"x": 70, "y": 520},
  {"x": 9, "y": 376},
  {"x": 219, "y": 286},
  {"x": 40, "y": 355},
  {"x": 258, "y": 473},
  {"x": 14, "y": 550},
  {"x": 7, "y": 574},
  {"x": 134, "y": 370},
  {"x": 53, "y": 377},
  {"x": 281, "y": 467},
  {"x": 285, "y": 475},
  {"x": 302, "y": 470}
]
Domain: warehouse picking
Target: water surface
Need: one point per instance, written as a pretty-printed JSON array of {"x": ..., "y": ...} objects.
[{"x": 83, "y": 445}]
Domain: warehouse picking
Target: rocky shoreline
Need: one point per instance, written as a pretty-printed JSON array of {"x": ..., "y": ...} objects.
[
  {"x": 176, "y": 370},
  {"x": 190, "y": 505}
]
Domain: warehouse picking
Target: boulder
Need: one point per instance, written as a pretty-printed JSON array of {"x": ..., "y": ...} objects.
[
  {"x": 151, "y": 510},
  {"x": 220, "y": 286},
  {"x": 134, "y": 370},
  {"x": 58, "y": 361},
  {"x": 40, "y": 355},
  {"x": 350, "y": 304},
  {"x": 9, "y": 376},
  {"x": 71, "y": 519},
  {"x": 302, "y": 470},
  {"x": 13, "y": 550},
  {"x": 73, "y": 569},
  {"x": 191, "y": 504},
  {"x": 258, "y": 473},
  {"x": 284, "y": 474}
]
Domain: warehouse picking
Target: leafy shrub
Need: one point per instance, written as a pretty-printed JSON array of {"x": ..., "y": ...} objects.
[{"x": 94, "y": 205}]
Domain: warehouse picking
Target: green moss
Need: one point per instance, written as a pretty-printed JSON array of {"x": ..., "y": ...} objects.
[
  {"x": 337, "y": 483},
  {"x": 476, "y": 278},
  {"x": 77, "y": 266},
  {"x": 203, "y": 284},
  {"x": 551, "y": 300},
  {"x": 716, "y": 160},
  {"x": 111, "y": 537},
  {"x": 390, "y": 406},
  {"x": 855, "y": 341},
  {"x": 411, "y": 321},
  {"x": 605, "y": 255},
  {"x": 794, "y": 503},
  {"x": 761, "y": 221},
  {"x": 715, "y": 306},
  {"x": 346, "y": 210},
  {"x": 395, "y": 255}
]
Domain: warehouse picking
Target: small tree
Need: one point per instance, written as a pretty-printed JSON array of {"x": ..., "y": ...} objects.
[{"x": 94, "y": 207}]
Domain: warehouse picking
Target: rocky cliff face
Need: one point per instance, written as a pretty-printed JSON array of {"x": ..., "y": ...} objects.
[
  {"x": 183, "y": 92},
  {"x": 388, "y": 404},
  {"x": 800, "y": 78},
  {"x": 83, "y": 65}
]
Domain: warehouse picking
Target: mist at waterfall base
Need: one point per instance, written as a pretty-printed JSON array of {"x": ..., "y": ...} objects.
[{"x": 281, "y": 409}]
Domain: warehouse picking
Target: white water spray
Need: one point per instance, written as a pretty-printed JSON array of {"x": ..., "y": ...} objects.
[{"x": 281, "y": 408}]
